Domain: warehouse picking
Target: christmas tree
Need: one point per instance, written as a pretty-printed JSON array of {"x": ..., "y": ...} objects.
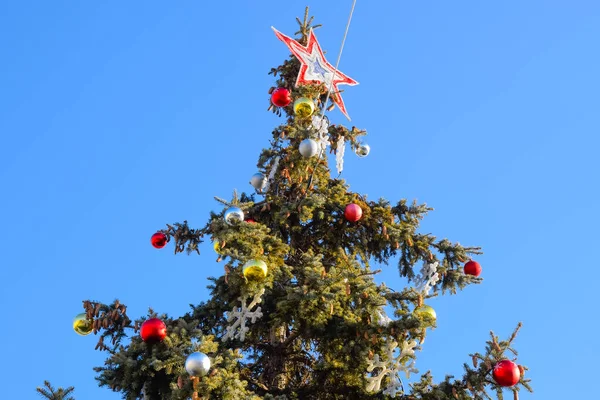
[{"x": 298, "y": 312}]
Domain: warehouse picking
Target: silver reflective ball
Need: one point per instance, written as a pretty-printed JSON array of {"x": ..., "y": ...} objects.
[
  {"x": 362, "y": 150},
  {"x": 308, "y": 148},
  {"x": 197, "y": 364},
  {"x": 234, "y": 215},
  {"x": 258, "y": 181}
]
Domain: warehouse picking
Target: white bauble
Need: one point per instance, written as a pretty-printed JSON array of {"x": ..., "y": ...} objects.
[{"x": 308, "y": 148}]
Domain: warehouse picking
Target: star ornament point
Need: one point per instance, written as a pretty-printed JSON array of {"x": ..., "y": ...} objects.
[{"x": 315, "y": 68}]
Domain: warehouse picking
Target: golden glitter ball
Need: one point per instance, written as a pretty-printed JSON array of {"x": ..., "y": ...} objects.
[
  {"x": 426, "y": 312},
  {"x": 255, "y": 270},
  {"x": 304, "y": 107},
  {"x": 81, "y": 325}
]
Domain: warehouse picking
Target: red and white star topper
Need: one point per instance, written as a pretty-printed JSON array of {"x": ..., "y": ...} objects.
[{"x": 315, "y": 67}]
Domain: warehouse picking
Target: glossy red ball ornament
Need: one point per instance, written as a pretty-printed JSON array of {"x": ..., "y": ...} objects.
[
  {"x": 506, "y": 373},
  {"x": 158, "y": 240},
  {"x": 353, "y": 212},
  {"x": 153, "y": 331},
  {"x": 472, "y": 268},
  {"x": 250, "y": 221},
  {"x": 281, "y": 97}
]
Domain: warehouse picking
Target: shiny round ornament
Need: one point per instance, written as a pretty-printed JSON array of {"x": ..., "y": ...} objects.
[
  {"x": 197, "y": 364},
  {"x": 255, "y": 270},
  {"x": 81, "y": 325},
  {"x": 506, "y": 373},
  {"x": 234, "y": 215},
  {"x": 472, "y": 268},
  {"x": 217, "y": 247},
  {"x": 158, "y": 240},
  {"x": 426, "y": 312},
  {"x": 353, "y": 212},
  {"x": 308, "y": 148},
  {"x": 281, "y": 97},
  {"x": 304, "y": 107},
  {"x": 258, "y": 181},
  {"x": 363, "y": 150},
  {"x": 153, "y": 330}
]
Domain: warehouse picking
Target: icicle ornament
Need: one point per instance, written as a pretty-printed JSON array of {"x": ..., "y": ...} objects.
[
  {"x": 339, "y": 154},
  {"x": 239, "y": 316},
  {"x": 272, "y": 173}
]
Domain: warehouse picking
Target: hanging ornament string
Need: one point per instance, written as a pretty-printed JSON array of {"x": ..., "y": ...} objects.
[{"x": 324, "y": 105}]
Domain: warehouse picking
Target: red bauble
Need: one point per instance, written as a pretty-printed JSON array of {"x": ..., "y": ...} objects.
[
  {"x": 281, "y": 97},
  {"x": 472, "y": 268},
  {"x": 158, "y": 240},
  {"x": 353, "y": 212},
  {"x": 250, "y": 221},
  {"x": 153, "y": 330},
  {"x": 506, "y": 373}
]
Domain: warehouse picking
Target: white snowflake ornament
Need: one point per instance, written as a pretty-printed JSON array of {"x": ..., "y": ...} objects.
[
  {"x": 238, "y": 316},
  {"x": 393, "y": 363},
  {"x": 321, "y": 126},
  {"x": 427, "y": 278},
  {"x": 380, "y": 316}
]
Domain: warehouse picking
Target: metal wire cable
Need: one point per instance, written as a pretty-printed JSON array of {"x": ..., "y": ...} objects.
[
  {"x": 335, "y": 70},
  {"x": 337, "y": 64}
]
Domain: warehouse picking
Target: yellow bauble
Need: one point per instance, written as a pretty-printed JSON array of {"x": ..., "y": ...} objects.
[
  {"x": 217, "y": 247},
  {"x": 426, "y": 312},
  {"x": 82, "y": 325},
  {"x": 255, "y": 270},
  {"x": 304, "y": 107}
]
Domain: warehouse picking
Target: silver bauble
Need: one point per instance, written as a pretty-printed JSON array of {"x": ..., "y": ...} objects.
[
  {"x": 197, "y": 364},
  {"x": 362, "y": 150},
  {"x": 234, "y": 215},
  {"x": 308, "y": 148},
  {"x": 258, "y": 181}
]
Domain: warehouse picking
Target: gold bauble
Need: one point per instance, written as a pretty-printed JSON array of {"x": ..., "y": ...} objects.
[
  {"x": 217, "y": 247},
  {"x": 255, "y": 270},
  {"x": 81, "y": 325},
  {"x": 304, "y": 107},
  {"x": 427, "y": 313}
]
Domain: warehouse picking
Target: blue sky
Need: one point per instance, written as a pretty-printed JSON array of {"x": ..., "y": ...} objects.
[{"x": 119, "y": 117}]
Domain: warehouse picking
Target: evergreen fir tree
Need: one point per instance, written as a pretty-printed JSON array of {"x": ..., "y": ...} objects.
[
  {"x": 315, "y": 326},
  {"x": 50, "y": 393}
]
